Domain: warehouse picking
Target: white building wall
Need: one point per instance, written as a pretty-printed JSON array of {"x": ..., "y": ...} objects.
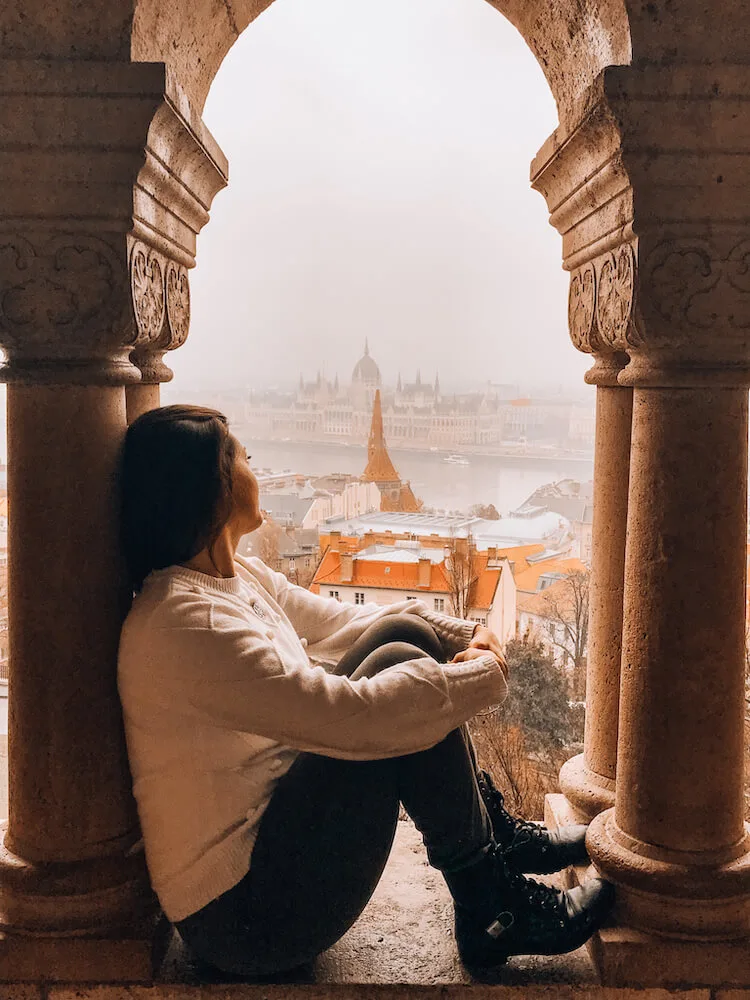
[
  {"x": 381, "y": 595},
  {"x": 501, "y": 617},
  {"x": 355, "y": 499}
]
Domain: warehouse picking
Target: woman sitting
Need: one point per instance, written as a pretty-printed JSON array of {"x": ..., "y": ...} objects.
[{"x": 268, "y": 787}]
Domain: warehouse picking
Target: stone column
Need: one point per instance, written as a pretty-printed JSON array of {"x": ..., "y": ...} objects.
[
  {"x": 676, "y": 844},
  {"x": 141, "y": 398},
  {"x": 645, "y": 191},
  {"x": 88, "y": 275},
  {"x": 70, "y": 862},
  {"x": 588, "y": 780}
]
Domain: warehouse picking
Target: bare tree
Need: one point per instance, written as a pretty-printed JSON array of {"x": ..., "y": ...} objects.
[
  {"x": 266, "y": 543},
  {"x": 460, "y": 564},
  {"x": 567, "y": 606}
]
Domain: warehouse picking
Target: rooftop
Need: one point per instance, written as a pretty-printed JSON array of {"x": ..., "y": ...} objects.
[{"x": 506, "y": 532}]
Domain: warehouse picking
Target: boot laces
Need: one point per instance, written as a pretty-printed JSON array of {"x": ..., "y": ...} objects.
[
  {"x": 529, "y": 890},
  {"x": 521, "y": 831}
]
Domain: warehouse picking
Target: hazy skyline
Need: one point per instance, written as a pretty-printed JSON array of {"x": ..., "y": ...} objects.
[{"x": 379, "y": 158}]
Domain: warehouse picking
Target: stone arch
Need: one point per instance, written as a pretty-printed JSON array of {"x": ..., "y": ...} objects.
[{"x": 573, "y": 40}]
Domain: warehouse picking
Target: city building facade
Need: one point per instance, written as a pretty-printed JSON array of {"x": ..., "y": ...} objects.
[
  {"x": 387, "y": 573},
  {"x": 418, "y": 415}
]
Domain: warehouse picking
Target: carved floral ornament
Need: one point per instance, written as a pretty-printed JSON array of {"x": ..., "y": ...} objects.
[
  {"x": 601, "y": 303},
  {"x": 62, "y": 291},
  {"x": 161, "y": 307},
  {"x": 696, "y": 283},
  {"x": 683, "y": 314},
  {"x": 147, "y": 291}
]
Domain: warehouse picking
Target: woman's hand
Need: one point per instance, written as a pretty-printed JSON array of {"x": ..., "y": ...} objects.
[
  {"x": 474, "y": 652},
  {"x": 484, "y": 638}
]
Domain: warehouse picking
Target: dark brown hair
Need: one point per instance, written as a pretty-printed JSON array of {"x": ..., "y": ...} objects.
[{"x": 176, "y": 486}]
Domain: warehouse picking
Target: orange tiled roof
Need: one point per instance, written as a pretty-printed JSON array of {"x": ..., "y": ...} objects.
[
  {"x": 527, "y": 580},
  {"x": 405, "y": 576},
  {"x": 407, "y": 503},
  {"x": 540, "y": 604}
]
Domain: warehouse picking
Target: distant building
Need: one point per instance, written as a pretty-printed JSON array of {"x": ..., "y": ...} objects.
[
  {"x": 543, "y": 601},
  {"x": 394, "y": 495},
  {"x": 419, "y": 414},
  {"x": 572, "y": 500},
  {"x": 548, "y": 531},
  {"x": 354, "y": 499},
  {"x": 385, "y": 574}
]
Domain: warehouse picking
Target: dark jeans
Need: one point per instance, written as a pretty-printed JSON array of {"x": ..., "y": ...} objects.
[{"x": 325, "y": 837}]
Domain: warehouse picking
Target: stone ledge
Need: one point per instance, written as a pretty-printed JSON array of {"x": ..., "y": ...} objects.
[
  {"x": 370, "y": 991},
  {"x": 405, "y": 936}
]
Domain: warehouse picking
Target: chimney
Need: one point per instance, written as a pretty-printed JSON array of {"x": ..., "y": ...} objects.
[
  {"x": 492, "y": 555},
  {"x": 425, "y": 573},
  {"x": 347, "y": 567},
  {"x": 335, "y": 537}
]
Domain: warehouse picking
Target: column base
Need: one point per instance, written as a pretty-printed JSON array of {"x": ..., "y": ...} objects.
[
  {"x": 587, "y": 792},
  {"x": 701, "y": 896},
  {"x": 133, "y": 956},
  {"x": 624, "y": 956}
]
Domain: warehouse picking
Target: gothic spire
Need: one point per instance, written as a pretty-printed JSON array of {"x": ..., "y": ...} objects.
[{"x": 380, "y": 468}]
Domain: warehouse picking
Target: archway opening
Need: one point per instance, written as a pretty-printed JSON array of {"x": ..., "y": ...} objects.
[{"x": 379, "y": 191}]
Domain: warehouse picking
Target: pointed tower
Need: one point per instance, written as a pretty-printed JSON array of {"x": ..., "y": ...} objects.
[
  {"x": 336, "y": 383},
  {"x": 399, "y": 387},
  {"x": 394, "y": 495},
  {"x": 301, "y": 381},
  {"x": 419, "y": 377},
  {"x": 367, "y": 349},
  {"x": 380, "y": 468},
  {"x": 437, "y": 385}
]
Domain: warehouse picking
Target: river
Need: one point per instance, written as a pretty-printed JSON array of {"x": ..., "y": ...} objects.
[{"x": 503, "y": 481}]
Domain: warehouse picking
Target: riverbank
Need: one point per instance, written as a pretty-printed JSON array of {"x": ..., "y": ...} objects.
[{"x": 503, "y": 480}]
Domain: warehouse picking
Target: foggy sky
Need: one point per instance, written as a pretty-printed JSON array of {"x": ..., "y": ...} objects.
[{"x": 379, "y": 158}]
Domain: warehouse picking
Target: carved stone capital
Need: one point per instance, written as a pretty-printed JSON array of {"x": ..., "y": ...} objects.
[
  {"x": 693, "y": 309},
  {"x": 161, "y": 308},
  {"x": 64, "y": 312},
  {"x": 600, "y": 312},
  {"x": 75, "y": 297}
]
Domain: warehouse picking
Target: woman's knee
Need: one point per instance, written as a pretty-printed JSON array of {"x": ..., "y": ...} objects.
[
  {"x": 409, "y": 628},
  {"x": 389, "y": 654}
]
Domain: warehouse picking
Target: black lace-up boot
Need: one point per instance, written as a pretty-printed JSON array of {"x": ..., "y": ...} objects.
[
  {"x": 499, "y": 913},
  {"x": 527, "y": 846}
]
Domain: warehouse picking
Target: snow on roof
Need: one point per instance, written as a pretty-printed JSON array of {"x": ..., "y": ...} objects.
[
  {"x": 397, "y": 554},
  {"x": 504, "y": 533}
]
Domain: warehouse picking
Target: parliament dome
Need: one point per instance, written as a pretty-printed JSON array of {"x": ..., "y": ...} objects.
[{"x": 366, "y": 370}]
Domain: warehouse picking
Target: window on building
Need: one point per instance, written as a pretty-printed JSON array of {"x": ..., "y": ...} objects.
[
  {"x": 551, "y": 628},
  {"x": 440, "y": 604},
  {"x": 359, "y": 597},
  {"x": 334, "y": 593},
  {"x": 411, "y": 597}
]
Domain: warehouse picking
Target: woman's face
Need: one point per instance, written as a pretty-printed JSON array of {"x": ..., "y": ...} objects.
[{"x": 246, "y": 515}]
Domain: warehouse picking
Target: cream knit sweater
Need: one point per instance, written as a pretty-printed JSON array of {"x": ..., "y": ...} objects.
[{"x": 219, "y": 694}]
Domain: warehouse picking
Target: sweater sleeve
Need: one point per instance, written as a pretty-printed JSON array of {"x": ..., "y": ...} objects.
[
  {"x": 330, "y": 627},
  {"x": 235, "y": 676}
]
